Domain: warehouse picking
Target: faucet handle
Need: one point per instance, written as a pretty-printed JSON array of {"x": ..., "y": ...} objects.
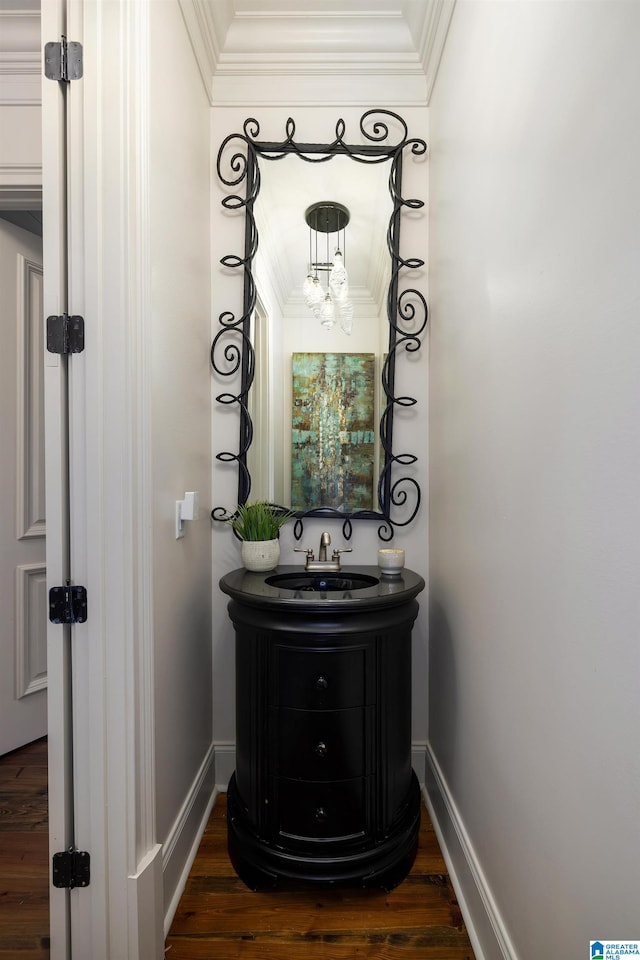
[
  {"x": 309, "y": 553},
  {"x": 336, "y": 554}
]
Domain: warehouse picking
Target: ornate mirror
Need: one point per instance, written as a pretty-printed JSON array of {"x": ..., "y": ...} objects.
[{"x": 327, "y": 308}]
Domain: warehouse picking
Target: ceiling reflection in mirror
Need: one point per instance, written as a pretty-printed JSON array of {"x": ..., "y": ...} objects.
[{"x": 316, "y": 401}]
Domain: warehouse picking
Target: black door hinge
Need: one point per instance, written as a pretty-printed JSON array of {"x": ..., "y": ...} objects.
[
  {"x": 68, "y": 604},
  {"x": 65, "y": 334},
  {"x": 71, "y": 868},
  {"x": 63, "y": 61}
]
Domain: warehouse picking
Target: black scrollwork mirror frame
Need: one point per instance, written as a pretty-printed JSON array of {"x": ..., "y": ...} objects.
[{"x": 407, "y": 311}]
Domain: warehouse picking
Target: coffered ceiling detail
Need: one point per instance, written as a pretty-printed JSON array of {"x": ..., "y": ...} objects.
[{"x": 301, "y": 51}]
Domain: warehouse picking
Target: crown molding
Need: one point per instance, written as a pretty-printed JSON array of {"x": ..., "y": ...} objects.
[
  {"x": 204, "y": 39},
  {"x": 389, "y": 54},
  {"x": 318, "y": 64},
  {"x": 364, "y": 306},
  {"x": 20, "y": 58},
  {"x": 20, "y": 64},
  {"x": 19, "y": 33},
  {"x": 343, "y": 33},
  {"x": 19, "y": 90},
  {"x": 20, "y": 187},
  {"x": 433, "y": 38}
]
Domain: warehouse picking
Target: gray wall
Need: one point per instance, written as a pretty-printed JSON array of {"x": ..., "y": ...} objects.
[
  {"x": 181, "y": 416},
  {"x": 534, "y": 714}
]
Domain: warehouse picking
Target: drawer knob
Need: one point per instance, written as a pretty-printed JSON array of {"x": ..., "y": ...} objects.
[
  {"x": 321, "y": 749},
  {"x": 321, "y": 814},
  {"x": 322, "y": 683}
]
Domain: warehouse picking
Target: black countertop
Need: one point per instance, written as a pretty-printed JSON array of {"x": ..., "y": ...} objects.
[{"x": 252, "y": 589}]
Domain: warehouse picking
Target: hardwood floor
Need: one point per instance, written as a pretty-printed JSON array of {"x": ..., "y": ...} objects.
[
  {"x": 24, "y": 854},
  {"x": 218, "y": 917}
]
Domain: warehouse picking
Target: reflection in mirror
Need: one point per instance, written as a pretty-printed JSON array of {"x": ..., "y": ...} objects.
[
  {"x": 317, "y": 398},
  {"x": 261, "y": 464},
  {"x": 287, "y": 189}
]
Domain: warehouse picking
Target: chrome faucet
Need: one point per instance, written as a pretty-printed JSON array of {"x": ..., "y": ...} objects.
[{"x": 322, "y": 564}]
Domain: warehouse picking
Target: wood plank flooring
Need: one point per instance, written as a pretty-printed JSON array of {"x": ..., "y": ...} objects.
[
  {"x": 24, "y": 854},
  {"x": 218, "y": 917}
]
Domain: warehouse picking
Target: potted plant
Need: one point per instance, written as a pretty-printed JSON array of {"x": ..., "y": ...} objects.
[{"x": 257, "y": 525}]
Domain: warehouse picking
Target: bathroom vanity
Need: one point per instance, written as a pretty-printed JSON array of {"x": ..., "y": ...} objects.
[{"x": 323, "y": 789}]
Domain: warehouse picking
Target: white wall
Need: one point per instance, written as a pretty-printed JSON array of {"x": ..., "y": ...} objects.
[
  {"x": 313, "y": 124},
  {"x": 20, "y": 112},
  {"x": 534, "y": 716},
  {"x": 181, "y": 417}
]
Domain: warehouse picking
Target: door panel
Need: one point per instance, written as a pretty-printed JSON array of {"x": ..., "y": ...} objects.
[
  {"x": 31, "y": 629},
  {"x": 23, "y": 668},
  {"x": 30, "y": 489}
]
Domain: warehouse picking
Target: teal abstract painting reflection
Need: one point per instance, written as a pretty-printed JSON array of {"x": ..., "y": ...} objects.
[{"x": 333, "y": 431}]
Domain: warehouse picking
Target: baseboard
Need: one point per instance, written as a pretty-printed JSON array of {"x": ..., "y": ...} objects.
[
  {"x": 225, "y": 764},
  {"x": 419, "y": 759},
  {"x": 482, "y": 918},
  {"x": 181, "y": 846}
]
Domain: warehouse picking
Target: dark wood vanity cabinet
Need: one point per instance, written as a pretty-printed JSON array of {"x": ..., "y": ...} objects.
[{"x": 323, "y": 789}]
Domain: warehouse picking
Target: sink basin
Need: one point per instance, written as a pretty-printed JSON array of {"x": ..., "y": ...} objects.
[
  {"x": 295, "y": 592},
  {"x": 322, "y": 582}
]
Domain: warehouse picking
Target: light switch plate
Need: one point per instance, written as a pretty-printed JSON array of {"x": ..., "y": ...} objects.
[{"x": 187, "y": 509}]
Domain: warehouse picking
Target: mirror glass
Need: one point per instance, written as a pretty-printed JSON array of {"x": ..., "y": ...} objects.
[{"x": 316, "y": 388}]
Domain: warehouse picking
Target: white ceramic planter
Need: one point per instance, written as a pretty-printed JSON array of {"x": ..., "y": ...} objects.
[{"x": 259, "y": 555}]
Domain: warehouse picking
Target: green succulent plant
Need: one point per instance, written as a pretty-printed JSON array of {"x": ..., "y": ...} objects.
[{"x": 259, "y": 520}]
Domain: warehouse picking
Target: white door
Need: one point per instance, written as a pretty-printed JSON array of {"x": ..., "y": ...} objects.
[
  {"x": 63, "y": 903},
  {"x": 23, "y": 594},
  {"x": 101, "y": 723}
]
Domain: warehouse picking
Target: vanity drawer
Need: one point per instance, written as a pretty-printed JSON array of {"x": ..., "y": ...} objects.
[
  {"x": 321, "y": 811},
  {"x": 320, "y": 679},
  {"x": 320, "y": 745}
]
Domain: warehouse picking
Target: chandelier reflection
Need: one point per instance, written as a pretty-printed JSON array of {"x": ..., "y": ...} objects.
[{"x": 328, "y": 305}]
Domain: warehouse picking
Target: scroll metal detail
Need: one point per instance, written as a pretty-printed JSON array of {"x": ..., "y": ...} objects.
[{"x": 232, "y": 352}]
